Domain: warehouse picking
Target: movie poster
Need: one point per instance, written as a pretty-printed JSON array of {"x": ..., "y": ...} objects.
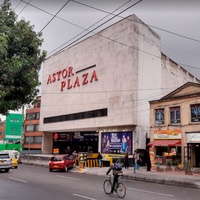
[{"x": 116, "y": 142}]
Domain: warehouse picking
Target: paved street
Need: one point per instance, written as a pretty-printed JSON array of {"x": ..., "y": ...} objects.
[
  {"x": 167, "y": 178},
  {"x": 34, "y": 182}
]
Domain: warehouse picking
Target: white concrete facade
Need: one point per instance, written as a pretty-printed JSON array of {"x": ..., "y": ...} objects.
[{"x": 125, "y": 69}]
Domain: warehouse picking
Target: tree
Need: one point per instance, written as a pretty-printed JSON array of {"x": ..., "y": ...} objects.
[{"x": 20, "y": 60}]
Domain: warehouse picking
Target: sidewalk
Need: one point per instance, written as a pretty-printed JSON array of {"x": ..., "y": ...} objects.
[{"x": 167, "y": 178}]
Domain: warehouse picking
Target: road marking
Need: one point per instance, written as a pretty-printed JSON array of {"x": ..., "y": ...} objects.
[
  {"x": 84, "y": 197},
  {"x": 68, "y": 177},
  {"x": 161, "y": 194},
  {"x": 16, "y": 179}
]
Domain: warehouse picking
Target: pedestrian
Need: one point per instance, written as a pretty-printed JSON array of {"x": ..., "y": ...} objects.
[
  {"x": 137, "y": 159},
  {"x": 68, "y": 150},
  {"x": 126, "y": 164},
  {"x": 116, "y": 169},
  {"x": 99, "y": 157},
  {"x": 148, "y": 161}
]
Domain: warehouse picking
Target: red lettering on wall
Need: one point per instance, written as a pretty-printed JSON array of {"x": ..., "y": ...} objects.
[
  {"x": 76, "y": 82},
  {"x": 64, "y": 73},
  {"x": 85, "y": 81},
  {"x": 69, "y": 85},
  {"x": 94, "y": 76},
  {"x": 58, "y": 73},
  {"x": 49, "y": 79},
  {"x": 70, "y": 71},
  {"x": 54, "y": 77},
  {"x": 63, "y": 84}
]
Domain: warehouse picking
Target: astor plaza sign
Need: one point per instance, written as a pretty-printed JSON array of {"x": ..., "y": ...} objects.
[{"x": 68, "y": 79}]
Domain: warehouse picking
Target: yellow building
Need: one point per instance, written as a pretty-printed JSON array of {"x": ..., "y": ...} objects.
[{"x": 175, "y": 126}]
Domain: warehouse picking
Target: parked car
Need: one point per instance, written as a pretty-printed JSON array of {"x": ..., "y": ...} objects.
[
  {"x": 5, "y": 162},
  {"x": 61, "y": 162}
]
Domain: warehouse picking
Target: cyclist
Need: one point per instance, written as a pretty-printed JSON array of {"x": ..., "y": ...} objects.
[{"x": 117, "y": 169}]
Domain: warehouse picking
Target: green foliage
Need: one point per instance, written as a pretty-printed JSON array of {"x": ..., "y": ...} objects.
[{"x": 20, "y": 60}]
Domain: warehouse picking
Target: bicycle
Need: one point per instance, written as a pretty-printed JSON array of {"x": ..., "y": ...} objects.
[{"x": 120, "y": 188}]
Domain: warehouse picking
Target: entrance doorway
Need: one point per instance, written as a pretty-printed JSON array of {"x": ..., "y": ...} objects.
[{"x": 197, "y": 155}]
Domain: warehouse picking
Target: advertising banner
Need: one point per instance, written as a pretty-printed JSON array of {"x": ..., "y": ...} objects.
[
  {"x": 13, "y": 129},
  {"x": 116, "y": 142}
]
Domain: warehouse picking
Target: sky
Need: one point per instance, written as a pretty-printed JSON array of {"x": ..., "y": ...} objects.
[{"x": 64, "y": 21}]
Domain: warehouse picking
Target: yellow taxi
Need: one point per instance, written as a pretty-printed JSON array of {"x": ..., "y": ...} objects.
[{"x": 14, "y": 161}]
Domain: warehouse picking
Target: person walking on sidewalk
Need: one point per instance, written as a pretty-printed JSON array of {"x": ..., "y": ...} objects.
[
  {"x": 136, "y": 158},
  {"x": 126, "y": 164},
  {"x": 99, "y": 157}
]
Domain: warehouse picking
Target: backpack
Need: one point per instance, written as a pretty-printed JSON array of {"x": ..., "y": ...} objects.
[{"x": 117, "y": 167}]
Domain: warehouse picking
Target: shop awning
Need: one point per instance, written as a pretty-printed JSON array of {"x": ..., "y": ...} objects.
[{"x": 164, "y": 143}]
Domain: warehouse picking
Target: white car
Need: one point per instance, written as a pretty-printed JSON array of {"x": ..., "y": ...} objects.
[{"x": 5, "y": 162}]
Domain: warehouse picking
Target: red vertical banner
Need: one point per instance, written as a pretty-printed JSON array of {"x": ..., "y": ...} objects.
[{"x": 152, "y": 158}]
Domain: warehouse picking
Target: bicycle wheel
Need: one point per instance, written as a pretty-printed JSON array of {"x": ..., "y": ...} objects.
[
  {"x": 121, "y": 190},
  {"x": 107, "y": 186}
]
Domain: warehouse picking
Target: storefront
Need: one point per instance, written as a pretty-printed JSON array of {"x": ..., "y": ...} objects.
[
  {"x": 68, "y": 142},
  {"x": 167, "y": 146},
  {"x": 193, "y": 148}
]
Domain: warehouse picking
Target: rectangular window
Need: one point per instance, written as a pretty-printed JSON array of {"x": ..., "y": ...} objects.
[
  {"x": 37, "y": 140},
  {"x": 28, "y": 140},
  {"x": 175, "y": 115},
  {"x": 33, "y": 140},
  {"x": 32, "y": 116},
  {"x": 159, "y": 116},
  {"x": 195, "y": 113},
  {"x": 77, "y": 116},
  {"x": 32, "y": 128},
  {"x": 29, "y": 128}
]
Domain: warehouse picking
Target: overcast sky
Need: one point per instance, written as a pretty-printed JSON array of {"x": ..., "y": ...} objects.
[
  {"x": 180, "y": 17},
  {"x": 176, "y": 21}
]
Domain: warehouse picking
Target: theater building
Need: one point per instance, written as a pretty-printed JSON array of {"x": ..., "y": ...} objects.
[{"x": 95, "y": 94}]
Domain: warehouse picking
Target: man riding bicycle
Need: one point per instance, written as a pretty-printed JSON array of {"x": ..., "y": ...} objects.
[{"x": 117, "y": 169}]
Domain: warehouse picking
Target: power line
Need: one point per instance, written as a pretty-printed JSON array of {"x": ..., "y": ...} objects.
[
  {"x": 23, "y": 7},
  {"x": 28, "y": 3},
  {"x": 55, "y": 15},
  {"x": 108, "y": 38},
  {"x": 90, "y": 26},
  {"x": 161, "y": 29},
  {"x": 100, "y": 25}
]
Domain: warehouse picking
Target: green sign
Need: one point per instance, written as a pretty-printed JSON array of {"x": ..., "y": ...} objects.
[{"x": 13, "y": 129}]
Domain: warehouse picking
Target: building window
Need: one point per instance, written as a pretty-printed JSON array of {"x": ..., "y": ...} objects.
[
  {"x": 175, "y": 115},
  {"x": 36, "y": 127},
  {"x": 32, "y": 128},
  {"x": 195, "y": 113},
  {"x": 77, "y": 116},
  {"x": 159, "y": 116},
  {"x": 1, "y": 133},
  {"x": 28, "y": 140},
  {"x": 32, "y": 116},
  {"x": 33, "y": 140},
  {"x": 37, "y": 140}
]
